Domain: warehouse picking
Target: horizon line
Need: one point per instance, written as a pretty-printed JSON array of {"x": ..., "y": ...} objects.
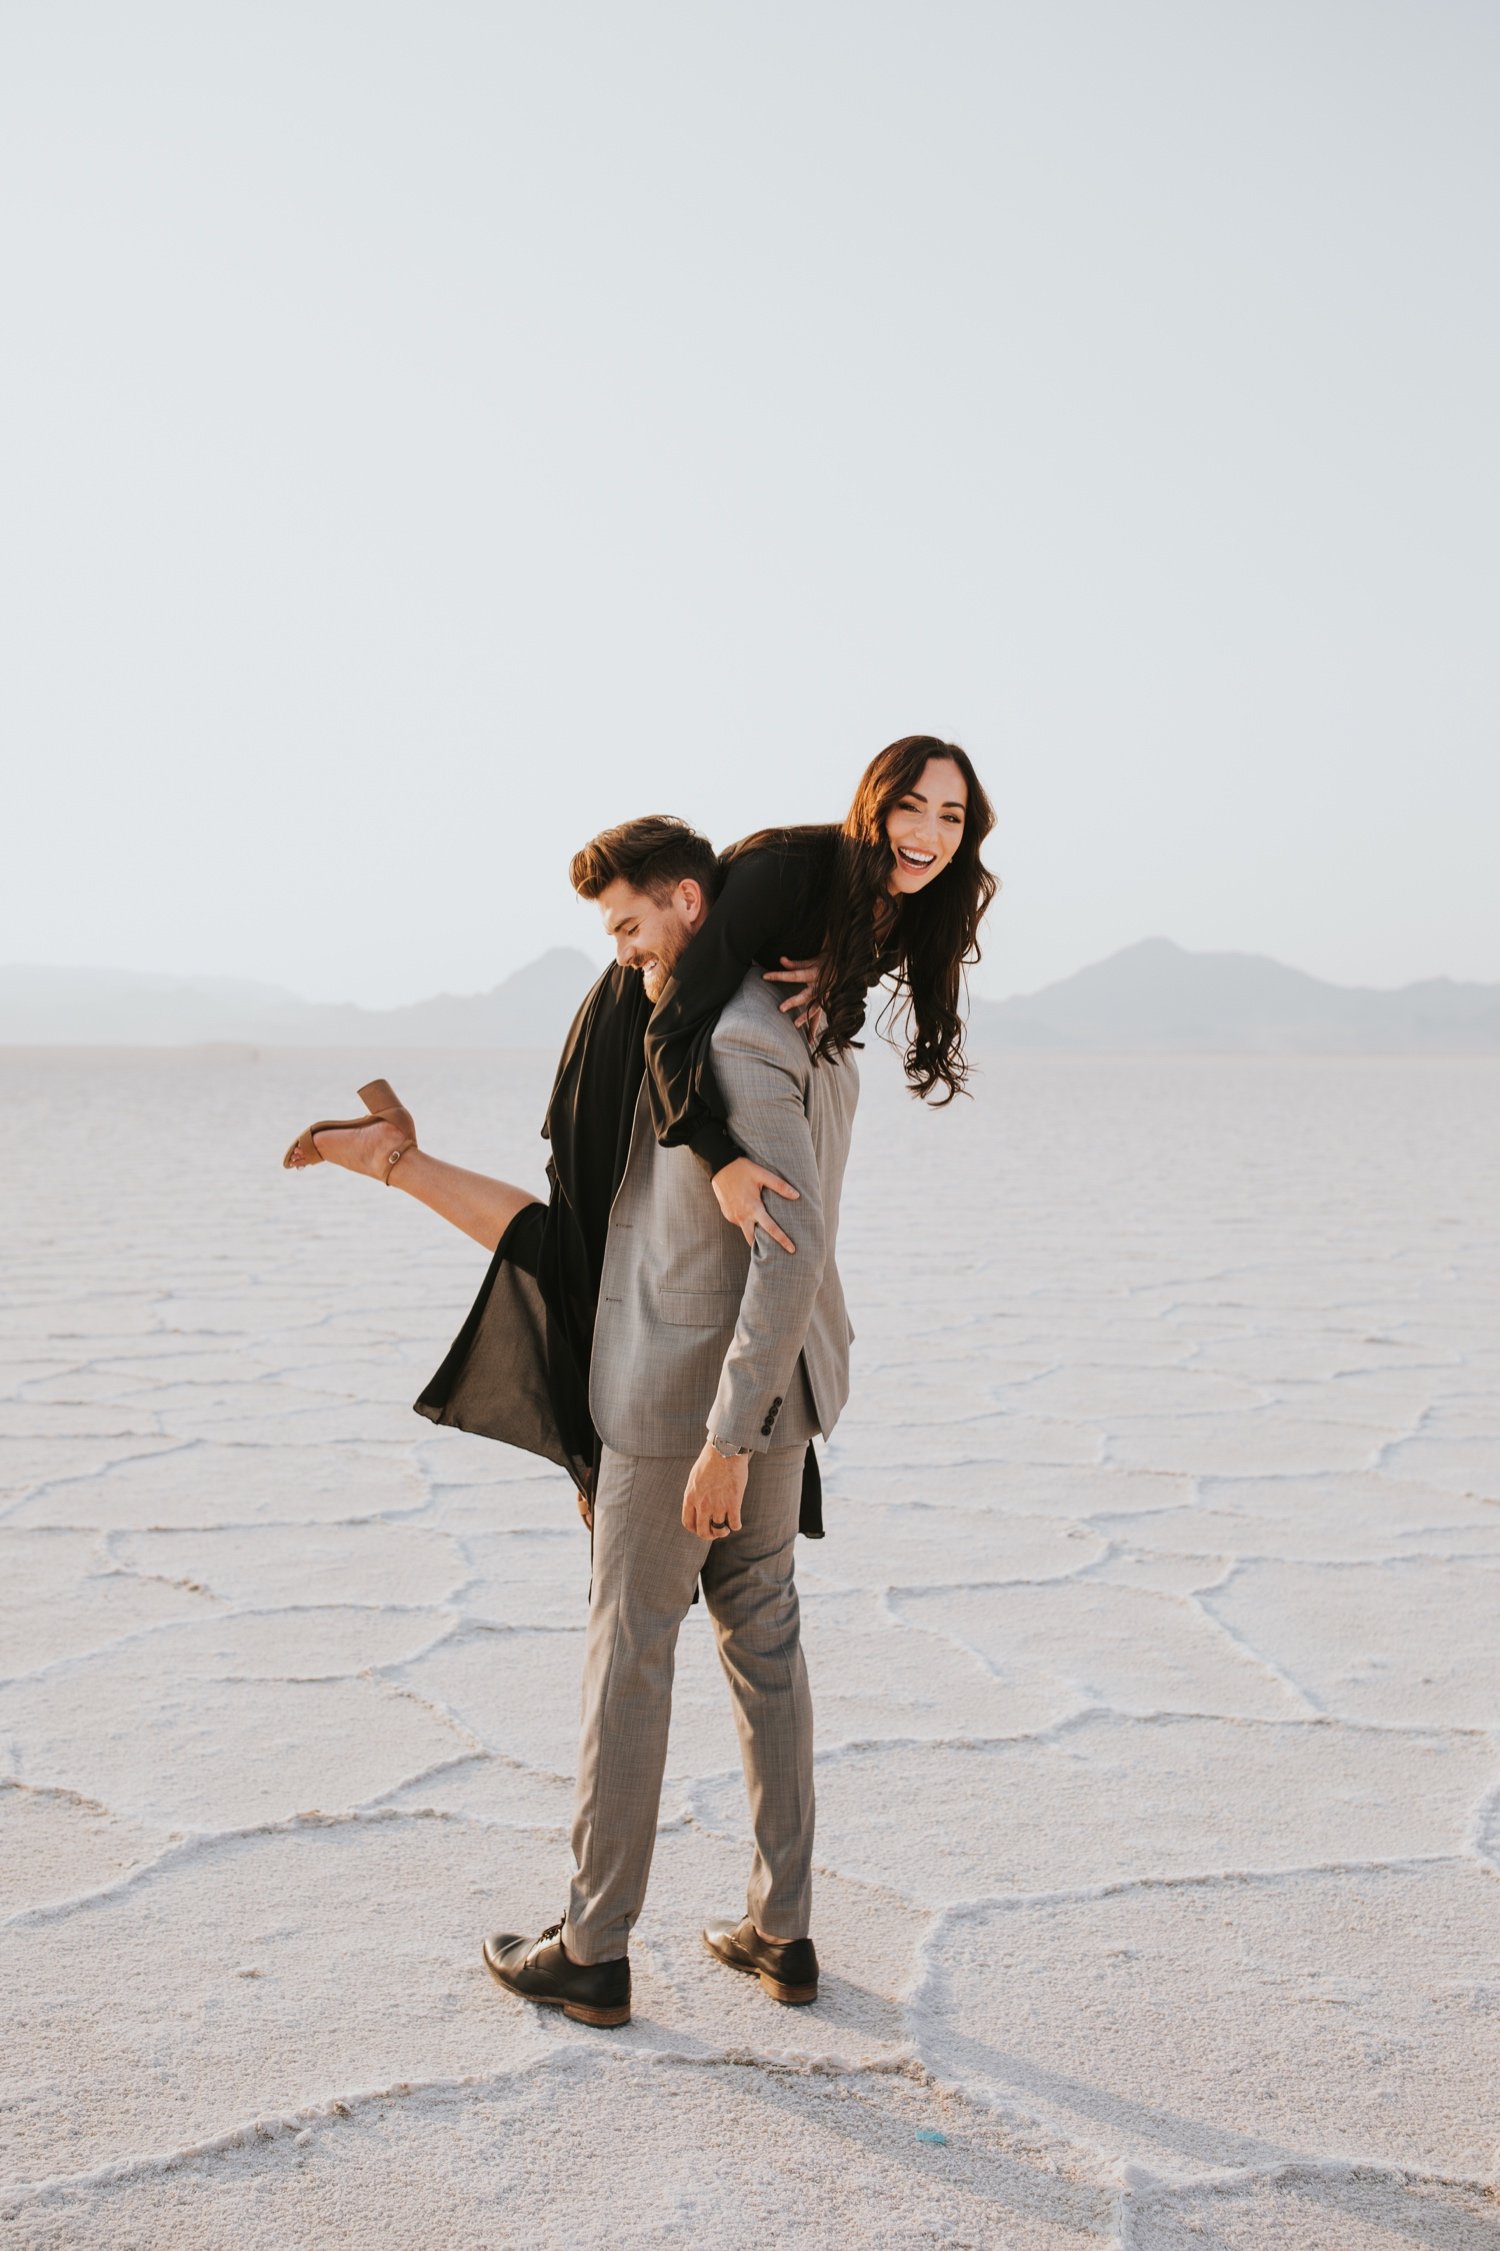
[{"x": 187, "y": 979}]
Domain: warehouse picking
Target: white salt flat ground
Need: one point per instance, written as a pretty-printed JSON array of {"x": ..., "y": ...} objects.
[{"x": 1154, "y": 1645}]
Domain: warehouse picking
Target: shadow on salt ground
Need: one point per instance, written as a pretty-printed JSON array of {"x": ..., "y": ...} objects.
[
  {"x": 736, "y": 2155},
  {"x": 1010, "y": 2173},
  {"x": 1439, "y": 2215},
  {"x": 1339, "y": 2013},
  {"x": 1305, "y": 2210},
  {"x": 1023, "y": 2079},
  {"x": 1252, "y": 2215}
]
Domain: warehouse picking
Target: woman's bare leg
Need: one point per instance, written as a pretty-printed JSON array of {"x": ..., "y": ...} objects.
[{"x": 470, "y": 1201}]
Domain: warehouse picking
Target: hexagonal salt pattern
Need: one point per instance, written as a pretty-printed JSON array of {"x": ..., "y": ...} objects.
[
  {"x": 1236, "y": 2020},
  {"x": 1153, "y": 1649}
]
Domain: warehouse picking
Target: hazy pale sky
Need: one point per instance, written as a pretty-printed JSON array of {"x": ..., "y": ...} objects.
[{"x": 432, "y": 432}]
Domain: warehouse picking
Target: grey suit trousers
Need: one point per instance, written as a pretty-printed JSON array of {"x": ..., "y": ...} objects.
[{"x": 645, "y": 1566}]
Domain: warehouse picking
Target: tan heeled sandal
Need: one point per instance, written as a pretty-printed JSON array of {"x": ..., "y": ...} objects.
[{"x": 379, "y": 1099}]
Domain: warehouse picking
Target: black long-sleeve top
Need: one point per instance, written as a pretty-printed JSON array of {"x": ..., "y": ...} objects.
[{"x": 772, "y": 901}]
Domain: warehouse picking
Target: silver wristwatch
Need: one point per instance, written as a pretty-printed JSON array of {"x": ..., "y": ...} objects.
[{"x": 726, "y": 1448}]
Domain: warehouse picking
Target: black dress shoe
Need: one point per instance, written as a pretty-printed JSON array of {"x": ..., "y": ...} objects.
[
  {"x": 786, "y": 1967},
  {"x": 539, "y": 1970}
]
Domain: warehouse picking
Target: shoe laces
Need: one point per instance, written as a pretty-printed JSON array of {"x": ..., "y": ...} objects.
[{"x": 553, "y": 1930}]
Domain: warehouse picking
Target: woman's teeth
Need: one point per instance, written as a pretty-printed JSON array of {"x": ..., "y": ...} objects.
[{"x": 915, "y": 859}]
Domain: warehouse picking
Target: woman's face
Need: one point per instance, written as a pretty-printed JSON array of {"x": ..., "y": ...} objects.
[{"x": 926, "y": 826}]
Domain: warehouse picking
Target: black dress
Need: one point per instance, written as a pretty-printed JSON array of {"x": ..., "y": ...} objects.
[{"x": 518, "y": 1370}]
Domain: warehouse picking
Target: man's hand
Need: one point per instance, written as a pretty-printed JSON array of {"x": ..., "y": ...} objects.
[
  {"x": 737, "y": 1191},
  {"x": 715, "y": 1490},
  {"x": 585, "y": 1510}
]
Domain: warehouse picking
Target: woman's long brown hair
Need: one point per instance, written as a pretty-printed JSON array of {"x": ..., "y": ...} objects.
[
  {"x": 923, "y": 941},
  {"x": 934, "y": 935}
]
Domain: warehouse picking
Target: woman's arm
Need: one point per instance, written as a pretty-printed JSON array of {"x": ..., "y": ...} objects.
[{"x": 762, "y": 904}]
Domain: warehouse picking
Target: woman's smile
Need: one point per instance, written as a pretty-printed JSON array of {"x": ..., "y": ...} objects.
[{"x": 925, "y": 826}]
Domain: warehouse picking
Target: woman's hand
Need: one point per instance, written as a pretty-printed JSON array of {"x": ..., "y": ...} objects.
[
  {"x": 737, "y": 1190},
  {"x": 807, "y": 977}
]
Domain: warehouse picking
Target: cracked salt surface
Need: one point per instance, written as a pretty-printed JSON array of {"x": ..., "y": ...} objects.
[{"x": 1153, "y": 1645}]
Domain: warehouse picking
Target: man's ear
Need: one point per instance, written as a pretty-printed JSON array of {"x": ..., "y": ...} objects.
[{"x": 694, "y": 900}]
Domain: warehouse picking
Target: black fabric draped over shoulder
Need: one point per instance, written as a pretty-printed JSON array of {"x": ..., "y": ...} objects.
[{"x": 518, "y": 1370}]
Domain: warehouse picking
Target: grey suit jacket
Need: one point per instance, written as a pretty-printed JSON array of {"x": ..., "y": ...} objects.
[{"x": 696, "y": 1335}]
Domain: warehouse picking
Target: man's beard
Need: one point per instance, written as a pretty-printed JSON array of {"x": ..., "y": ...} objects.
[{"x": 657, "y": 974}]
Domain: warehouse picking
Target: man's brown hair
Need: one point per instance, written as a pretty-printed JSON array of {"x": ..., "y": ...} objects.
[{"x": 653, "y": 854}]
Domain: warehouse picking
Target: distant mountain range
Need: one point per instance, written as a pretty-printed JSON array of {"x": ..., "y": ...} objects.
[
  {"x": 1152, "y": 998},
  {"x": 1159, "y": 998},
  {"x": 123, "y": 1008}
]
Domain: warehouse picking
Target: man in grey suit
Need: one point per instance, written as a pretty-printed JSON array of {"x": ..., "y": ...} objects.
[{"x": 713, "y": 1365}]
